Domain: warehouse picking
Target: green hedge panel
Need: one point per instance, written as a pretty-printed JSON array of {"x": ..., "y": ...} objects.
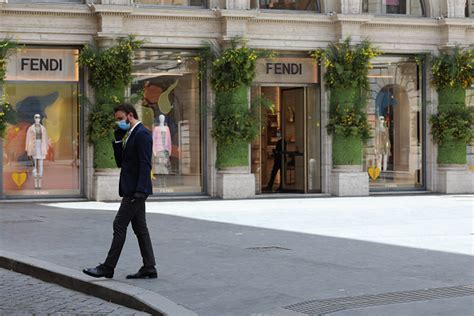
[
  {"x": 346, "y": 150},
  {"x": 104, "y": 154},
  {"x": 232, "y": 155},
  {"x": 452, "y": 152}
]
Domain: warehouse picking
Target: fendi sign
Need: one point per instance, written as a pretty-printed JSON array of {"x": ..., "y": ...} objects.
[
  {"x": 42, "y": 64},
  {"x": 286, "y": 70}
]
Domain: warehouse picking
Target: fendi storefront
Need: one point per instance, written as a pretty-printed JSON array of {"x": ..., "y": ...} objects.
[
  {"x": 287, "y": 155},
  {"x": 41, "y": 151}
]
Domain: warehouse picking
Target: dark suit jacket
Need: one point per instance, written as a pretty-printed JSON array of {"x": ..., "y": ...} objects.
[{"x": 135, "y": 162}]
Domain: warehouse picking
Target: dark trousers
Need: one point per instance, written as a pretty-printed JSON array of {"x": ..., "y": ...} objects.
[
  {"x": 276, "y": 167},
  {"x": 131, "y": 212}
]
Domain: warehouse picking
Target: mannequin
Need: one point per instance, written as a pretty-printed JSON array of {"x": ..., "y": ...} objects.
[
  {"x": 37, "y": 147},
  {"x": 161, "y": 147},
  {"x": 382, "y": 144}
]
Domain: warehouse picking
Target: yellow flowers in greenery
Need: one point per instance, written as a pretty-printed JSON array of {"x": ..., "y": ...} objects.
[
  {"x": 235, "y": 67},
  {"x": 452, "y": 75},
  {"x": 231, "y": 73},
  {"x": 111, "y": 67},
  {"x": 452, "y": 124},
  {"x": 453, "y": 69},
  {"x": 110, "y": 71},
  {"x": 349, "y": 122},
  {"x": 347, "y": 66}
]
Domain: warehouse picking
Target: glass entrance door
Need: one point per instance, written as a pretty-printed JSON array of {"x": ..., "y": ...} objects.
[
  {"x": 293, "y": 127},
  {"x": 286, "y": 156}
]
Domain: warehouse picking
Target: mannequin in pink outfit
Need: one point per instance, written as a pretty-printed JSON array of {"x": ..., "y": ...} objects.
[{"x": 161, "y": 147}]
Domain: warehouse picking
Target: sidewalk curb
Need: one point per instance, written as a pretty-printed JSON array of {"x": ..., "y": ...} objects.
[{"x": 106, "y": 289}]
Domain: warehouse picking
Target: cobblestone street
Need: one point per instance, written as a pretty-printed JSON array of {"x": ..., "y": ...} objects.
[{"x": 21, "y": 294}]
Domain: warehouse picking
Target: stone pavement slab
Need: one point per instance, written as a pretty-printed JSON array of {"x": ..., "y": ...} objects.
[
  {"x": 20, "y": 294},
  {"x": 216, "y": 268}
]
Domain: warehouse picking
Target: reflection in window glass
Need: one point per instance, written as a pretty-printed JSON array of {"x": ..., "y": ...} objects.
[
  {"x": 169, "y": 91},
  {"x": 192, "y": 3},
  {"x": 46, "y": 1},
  {"x": 395, "y": 115},
  {"x": 41, "y": 151},
  {"x": 410, "y": 7},
  {"x": 303, "y": 5}
]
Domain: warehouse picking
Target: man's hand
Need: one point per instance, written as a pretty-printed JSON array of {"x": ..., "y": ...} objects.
[
  {"x": 119, "y": 134},
  {"x": 137, "y": 196}
]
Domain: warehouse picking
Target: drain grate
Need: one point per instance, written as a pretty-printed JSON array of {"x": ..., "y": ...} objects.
[
  {"x": 326, "y": 306},
  {"x": 267, "y": 248}
]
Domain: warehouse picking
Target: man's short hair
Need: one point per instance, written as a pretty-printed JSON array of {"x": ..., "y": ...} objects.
[{"x": 127, "y": 108}]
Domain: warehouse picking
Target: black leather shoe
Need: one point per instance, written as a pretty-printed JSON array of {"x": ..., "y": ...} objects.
[
  {"x": 99, "y": 272},
  {"x": 144, "y": 273}
]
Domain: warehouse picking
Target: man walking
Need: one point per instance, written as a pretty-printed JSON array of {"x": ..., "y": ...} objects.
[{"x": 132, "y": 150}]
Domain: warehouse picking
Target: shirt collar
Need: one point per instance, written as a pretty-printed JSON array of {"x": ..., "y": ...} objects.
[{"x": 131, "y": 130}]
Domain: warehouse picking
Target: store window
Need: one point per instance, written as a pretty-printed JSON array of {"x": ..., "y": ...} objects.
[
  {"x": 406, "y": 7},
  {"x": 178, "y": 3},
  {"x": 41, "y": 151},
  {"x": 45, "y": 1},
  {"x": 469, "y": 9},
  {"x": 394, "y": 154},
  {"x": 299, "y": 5},
  {"x": 167, "y": 88}
]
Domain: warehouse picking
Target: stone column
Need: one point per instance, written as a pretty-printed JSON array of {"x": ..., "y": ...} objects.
[
  {"x": 456, "y": 8},
  {"x": 350, "y": 6}
]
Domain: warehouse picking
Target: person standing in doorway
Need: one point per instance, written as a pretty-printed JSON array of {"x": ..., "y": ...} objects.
[
  {"x": 277, "y": 160},
  {"x": 132, "y": 149}
]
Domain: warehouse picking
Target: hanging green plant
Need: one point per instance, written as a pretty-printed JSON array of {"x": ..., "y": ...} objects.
[
  {"x": 453, "y": 69},
  {"x": 111, "y": 67},
  {"x": 347, "y": 66},
  {"x": 231, "y": 124},
  {"x": 235, "y": 125},
  {"x": 110, "y": 72},
  {"x": 349, "y": 122},
  {"x": 7, "y": 47},
  {"x": 7, "y": 116},
  {"x": 452, "y": 124},
  {"x": 236, "y": 66},
  {"x": 7, "y": 112}
]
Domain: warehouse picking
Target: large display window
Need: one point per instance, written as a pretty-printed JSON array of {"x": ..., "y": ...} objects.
[
  {"x": 299, "y": 5},
  {"x": 41, "y": 151},
  {"x": 394, "y": 154},
  {"x": 167, "y": 88},
  {"x": 407, "y": 7},
  {"x": 172, "y": 3}
]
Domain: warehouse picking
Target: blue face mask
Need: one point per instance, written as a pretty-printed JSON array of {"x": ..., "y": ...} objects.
[{"x": 123, "y": 125}]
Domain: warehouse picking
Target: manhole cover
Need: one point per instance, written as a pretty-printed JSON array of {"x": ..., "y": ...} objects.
[
  {"x": 326, "y": 306},
  {"x": 267, "y": 248}
]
